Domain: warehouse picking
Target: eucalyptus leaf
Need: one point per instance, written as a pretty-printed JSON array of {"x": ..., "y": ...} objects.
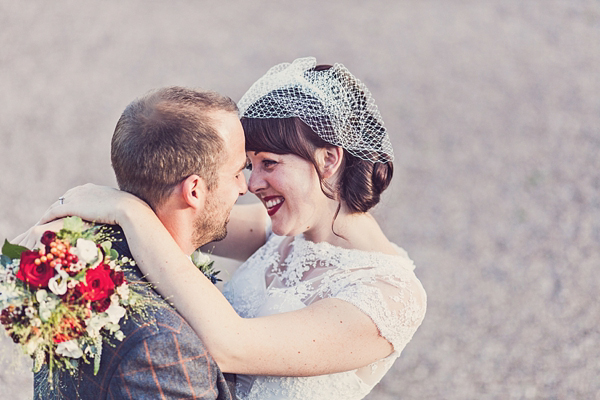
[
  {"x": 73, "y": 224},
  {"x": 106, "y": 246}
]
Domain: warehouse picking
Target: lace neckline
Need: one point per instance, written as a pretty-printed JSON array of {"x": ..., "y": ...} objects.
[
  {"x": 300, "y": 243},
  {"x": 305, "y": 256}
]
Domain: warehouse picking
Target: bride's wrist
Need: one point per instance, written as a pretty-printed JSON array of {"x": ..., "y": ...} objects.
[{"x": 131, "y": 209}]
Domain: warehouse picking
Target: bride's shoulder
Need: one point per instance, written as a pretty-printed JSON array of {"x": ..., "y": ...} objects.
[{"x": 367, "y": 235}]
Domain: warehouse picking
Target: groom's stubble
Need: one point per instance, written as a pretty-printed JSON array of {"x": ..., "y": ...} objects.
[{"x": 211, "y": 226}]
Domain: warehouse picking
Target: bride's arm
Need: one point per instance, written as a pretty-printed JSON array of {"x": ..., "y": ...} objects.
[
  {"x": 328, "y": 336},
  {"x": 245, "y": 233}
]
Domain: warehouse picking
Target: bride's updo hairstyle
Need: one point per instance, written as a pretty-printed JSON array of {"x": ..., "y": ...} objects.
[{"x": 300, "y": 107}]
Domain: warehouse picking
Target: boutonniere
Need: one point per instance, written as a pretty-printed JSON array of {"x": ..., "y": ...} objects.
[{"x": 205, "y": 264}]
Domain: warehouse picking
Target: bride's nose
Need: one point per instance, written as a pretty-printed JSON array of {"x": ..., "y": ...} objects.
[{"x": 256, "y": 182}]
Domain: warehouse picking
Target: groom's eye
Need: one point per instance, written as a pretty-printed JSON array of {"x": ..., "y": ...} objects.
[{"x": 249, "y": 166}]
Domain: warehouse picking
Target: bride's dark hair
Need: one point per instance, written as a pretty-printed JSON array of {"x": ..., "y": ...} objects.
[{"x": 361, "y": 182}]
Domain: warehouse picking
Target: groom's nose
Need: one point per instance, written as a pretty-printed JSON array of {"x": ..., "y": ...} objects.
[{"x": 243, "y": 184}]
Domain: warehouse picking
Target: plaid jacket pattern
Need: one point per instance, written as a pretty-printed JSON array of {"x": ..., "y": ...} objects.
[{"x": 160, "y": 358}]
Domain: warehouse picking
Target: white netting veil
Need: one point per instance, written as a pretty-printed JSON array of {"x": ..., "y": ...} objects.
[{"x": 336, "y": 105}]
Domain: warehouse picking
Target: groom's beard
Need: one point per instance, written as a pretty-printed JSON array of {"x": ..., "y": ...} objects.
[{"x": 211, "y": 226}]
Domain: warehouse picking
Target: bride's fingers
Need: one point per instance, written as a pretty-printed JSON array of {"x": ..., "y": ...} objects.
[
  {"x": 60, "y": 208},
  {"x": 53, "y": 212},
  {"x": 32, "y": 238},
  {"x": 26, "y": 239},
  {"x": 31, "y": 243}
]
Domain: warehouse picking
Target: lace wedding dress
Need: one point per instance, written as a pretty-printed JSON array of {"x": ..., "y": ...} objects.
[{"x": 382, "y": 286}]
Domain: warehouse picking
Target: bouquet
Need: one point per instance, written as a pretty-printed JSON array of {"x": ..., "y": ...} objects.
[{"x": 61, "y": 301}]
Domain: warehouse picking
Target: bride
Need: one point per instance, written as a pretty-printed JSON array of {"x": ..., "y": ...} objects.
[{"x": 324, "y": 303}]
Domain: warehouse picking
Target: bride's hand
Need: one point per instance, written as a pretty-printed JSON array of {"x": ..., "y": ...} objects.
[
  {"x": 94, "y": 203},
  {"x": 31, "y": 237}
]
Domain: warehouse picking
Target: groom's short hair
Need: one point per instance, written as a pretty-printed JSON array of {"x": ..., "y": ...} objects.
[{"x": 166, "y": 136}]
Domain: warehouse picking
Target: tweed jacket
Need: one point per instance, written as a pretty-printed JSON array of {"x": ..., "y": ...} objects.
[{"x": 160, "y": 358}]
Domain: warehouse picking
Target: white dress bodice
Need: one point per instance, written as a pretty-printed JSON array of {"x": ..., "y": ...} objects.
[{"x": 382, "y": 286}]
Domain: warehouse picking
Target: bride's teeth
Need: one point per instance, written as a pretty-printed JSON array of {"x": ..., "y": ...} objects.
[{"x": 273, "y": 203}]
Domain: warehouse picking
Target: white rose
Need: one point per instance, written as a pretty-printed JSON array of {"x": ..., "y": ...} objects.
[
  {"x": 86, "y": 250},
  {"x": 200, "y": 258},
  {"x": 69, "y": 349}
]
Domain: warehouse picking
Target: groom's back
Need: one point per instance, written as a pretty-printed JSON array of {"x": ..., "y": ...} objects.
[{"x": 160, "y": 357}]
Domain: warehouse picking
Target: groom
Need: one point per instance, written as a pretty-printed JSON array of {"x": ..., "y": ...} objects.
[{"x": 181, "y": 151}]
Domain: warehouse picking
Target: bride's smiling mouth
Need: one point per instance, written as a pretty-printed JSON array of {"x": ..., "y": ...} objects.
[{"x": 273, "y": 204}]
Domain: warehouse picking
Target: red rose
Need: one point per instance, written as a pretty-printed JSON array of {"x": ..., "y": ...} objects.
[
  {"x": 118, "y": 277},
  {"x": 36, "y": 275},
  {"x": 48, "y": 237},
  {"x": 97, "y": 285},
  {"x": 101, "y": 305}
]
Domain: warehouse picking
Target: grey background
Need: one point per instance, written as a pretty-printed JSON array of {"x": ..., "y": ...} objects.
[{"x": 494, "y": 111}]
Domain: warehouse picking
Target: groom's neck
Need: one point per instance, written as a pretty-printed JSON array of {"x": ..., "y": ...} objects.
[{"x": 179, "y": 228}]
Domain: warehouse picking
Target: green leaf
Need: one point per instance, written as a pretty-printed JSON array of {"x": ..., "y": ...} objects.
[
  {"x": 12, "y": 251},
  {"x": 81, "y": 275},
  {"x": 97, "y": 356},
  {"x": 114, "y": 255},
  {"x": 106, "y": 246},
  {"x": 73, "y": 224}
]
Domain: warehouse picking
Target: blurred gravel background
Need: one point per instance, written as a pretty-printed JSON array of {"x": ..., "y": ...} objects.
[{"x": 494, "y": 111}]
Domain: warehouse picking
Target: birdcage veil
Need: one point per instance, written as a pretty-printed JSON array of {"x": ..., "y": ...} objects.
[{"x": 336, "y": 105}]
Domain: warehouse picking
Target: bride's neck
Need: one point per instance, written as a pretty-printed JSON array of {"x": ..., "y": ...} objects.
[
  {"x": 337, "y": 226},
  {"x": 358, "y": 231}
]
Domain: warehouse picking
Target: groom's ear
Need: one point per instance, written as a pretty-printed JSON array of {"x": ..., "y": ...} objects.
[{"x": 194, "y": 191}]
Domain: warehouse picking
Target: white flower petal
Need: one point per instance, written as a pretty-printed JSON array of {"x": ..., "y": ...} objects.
[
  {"x": 41, "y": 295},
  {"x": 69, "y": 349},
  {"x": 115, "y": 313}
]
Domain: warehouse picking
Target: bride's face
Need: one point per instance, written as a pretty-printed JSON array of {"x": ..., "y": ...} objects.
[{"x": 289, "y": 187}]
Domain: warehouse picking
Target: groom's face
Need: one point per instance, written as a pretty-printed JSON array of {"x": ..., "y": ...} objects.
[{"x": 212, "y": 224}]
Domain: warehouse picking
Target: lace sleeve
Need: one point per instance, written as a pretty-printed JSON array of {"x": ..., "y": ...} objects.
[{"x": 396, "y": 303}]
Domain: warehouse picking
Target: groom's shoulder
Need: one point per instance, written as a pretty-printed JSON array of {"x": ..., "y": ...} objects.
[
  {"x": 160, "y": 316},
  {"x": 116, "y": 235}
]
